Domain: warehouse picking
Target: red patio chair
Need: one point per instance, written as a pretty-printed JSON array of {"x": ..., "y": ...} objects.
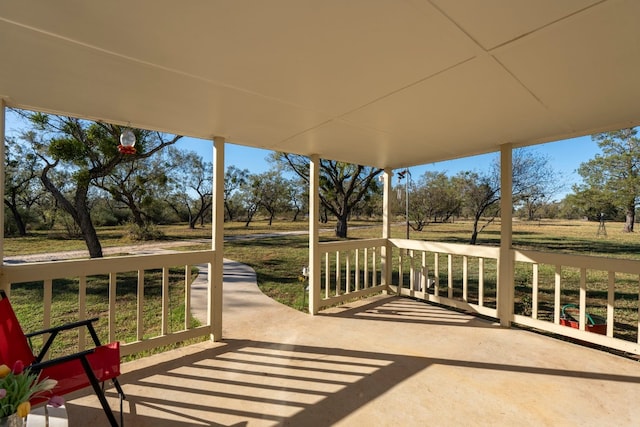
[{"x": 74, "y": 371}]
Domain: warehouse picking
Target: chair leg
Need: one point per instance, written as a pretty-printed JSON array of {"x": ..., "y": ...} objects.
[
  {"x": 116, "y": 384},
  {"x": 121, "y": 411},
  {"x": 122, "y": 397},
  {"x": 96, "y": 388}
]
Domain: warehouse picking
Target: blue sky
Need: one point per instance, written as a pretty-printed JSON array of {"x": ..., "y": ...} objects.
[{"x": 564, "y": 156}]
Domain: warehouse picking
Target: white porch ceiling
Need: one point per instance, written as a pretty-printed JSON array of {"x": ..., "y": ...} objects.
[{"x": 388, "y": 83}]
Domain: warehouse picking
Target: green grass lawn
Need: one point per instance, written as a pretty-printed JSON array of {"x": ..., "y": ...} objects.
[{"x": 278, "y": 261}]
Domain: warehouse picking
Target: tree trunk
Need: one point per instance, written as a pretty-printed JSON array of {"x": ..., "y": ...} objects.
[
  {"x": 228, "y": 209},
  {"x": 137, "y": 214},
  {"x": 89, "y": 233},
  {"x": 341, "y": 226},
  {"x": 630, "y": 219},
  {"x": 22, "y": 229},
  {"x": 78, "y": 210},
  {"x": 474, "y": 234},
  {"x": 251, "y": 211},
  {"x": 324, "y": 216}
]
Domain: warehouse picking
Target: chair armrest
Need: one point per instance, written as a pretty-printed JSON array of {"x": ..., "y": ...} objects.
[
  {"x": 61, "y": 328},
  {"x": 53, "y": 333},
  {"x": 38, "y": 366}
]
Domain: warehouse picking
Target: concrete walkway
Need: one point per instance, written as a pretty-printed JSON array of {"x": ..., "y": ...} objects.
[{"x": 385, "y": 361}]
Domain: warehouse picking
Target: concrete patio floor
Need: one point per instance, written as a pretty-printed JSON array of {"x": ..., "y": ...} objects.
[{"x": 382, "y": 362}]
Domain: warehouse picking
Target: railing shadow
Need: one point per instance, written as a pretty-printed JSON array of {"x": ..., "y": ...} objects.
[
  {"x": 406, "y": 310},
  {"x": 246, "y": 382}
]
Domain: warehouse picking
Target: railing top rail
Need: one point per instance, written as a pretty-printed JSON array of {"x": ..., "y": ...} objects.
[
  {"x": 579, "y": 261},
  {"x": 13, "y": 273},
  {"x": 347, "y": 245},
  {"x": 449, "y": 248}
]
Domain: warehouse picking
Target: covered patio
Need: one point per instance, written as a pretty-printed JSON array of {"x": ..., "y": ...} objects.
[
  {"x": 387, "y": 84},
  {"x": 384, "y": 361}
]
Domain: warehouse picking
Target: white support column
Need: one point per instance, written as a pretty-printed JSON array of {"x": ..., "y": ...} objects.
[
  {"x": 216, "y": 270},
  {"x": 387, "y": 262},
  {"x": 505, "y": 262},
  {"x": 314, "y": 237}
]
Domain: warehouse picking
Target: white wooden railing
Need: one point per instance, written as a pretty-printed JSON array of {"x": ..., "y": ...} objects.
[
  {"x": 460, "y": 276},
  {"x": 350, "y": 269},
  {"x": 47, "y": 272},
  {"x": 595, "y": 275},
  {"x": 427, "y": 271},
  {"x": 465, "y": 277}
]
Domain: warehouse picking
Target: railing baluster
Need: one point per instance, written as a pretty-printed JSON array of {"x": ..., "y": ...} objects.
[
  {"x": 450, "y": 275},
  {"x": 583, "y": 298},
  {"x": 187, "y": 297},
  {"x": 338, "y": 270},
  {"x": 465, "y": 279},
  {"x": 534, "y": 292},
  {"x": 400, "y": 271},
  {"x": 374, "y": 267},
  {"x": 366, "y": 268},
  {"x": 82, "y": 310},
  {"x": 412, "y": 271},
  {"x": 436, "y": 273},
  {"x": 46, "y": 311},
  {"x": 348, "y": 273},
  {"x": 556, "y": 297},
  {"x": 611, "y": 293},
  {"x": 481, "y": 282},
  {"x": 327, "y": 275},
  {"x": 357, "y": 269},
  {"x": 112, "y": 307},
  {"x": 47, "y": 295},
  {"x": 140, "y": 306},
  {"x": 165, "y": 301},
  {"x": 424, "y": 273}
]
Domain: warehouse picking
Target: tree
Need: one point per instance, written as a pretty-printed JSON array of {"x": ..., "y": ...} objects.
[
  {"x": 22, "y": 186},
  {"x": 532, "y": 177},
  {"x": 592, "y": 204},
  {"x": 191, "y": 178},
  {"x": 434, "y": 197},
  {"x": 87, "y": 151},
  {"x": 234, "y": 179},
  {"x": 273, "y": 193},
  {"x": 298, "y": 197},
  {"x": 534, "y": 181},
  {"x": 481, "y": 193},
  {"x": 136, "y": 184},
  {"x": 342, "y": 185},
  {"x": 615, "y": 173},
  {"x": 249, "y": 197}
]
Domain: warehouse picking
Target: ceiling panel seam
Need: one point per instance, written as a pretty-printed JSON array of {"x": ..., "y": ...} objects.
[
  {"x": 547, "y": 25},
  {"x": 403, "y": 88}
]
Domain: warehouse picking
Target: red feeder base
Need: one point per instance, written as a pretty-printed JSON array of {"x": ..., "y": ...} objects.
[
  {"x": 597, "y": 328},
  {"x": 594, "y": 324}
]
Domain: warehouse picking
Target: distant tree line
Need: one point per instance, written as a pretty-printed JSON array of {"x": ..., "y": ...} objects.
[{"x": 66, "y": 173}]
